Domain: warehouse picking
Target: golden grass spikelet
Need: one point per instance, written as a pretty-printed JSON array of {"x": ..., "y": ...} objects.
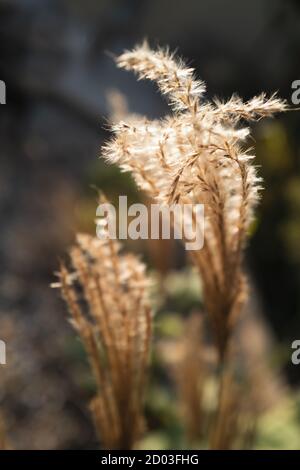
[
  {"x": 106, "y": 295},
  {"x": 172, "y": 76},
  {"x": 197, "y": 155}
]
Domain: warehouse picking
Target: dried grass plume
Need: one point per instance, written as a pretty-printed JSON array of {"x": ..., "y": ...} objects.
[
  {"x": 197, "y": 155},
  {"x": 106, "y": 293}
]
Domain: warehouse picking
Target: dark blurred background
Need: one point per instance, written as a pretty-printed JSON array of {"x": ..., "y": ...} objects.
[{"x": 57, "y": 66}]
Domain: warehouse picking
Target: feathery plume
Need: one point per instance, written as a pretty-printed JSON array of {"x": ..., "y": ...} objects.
[
  {"x": 106, "y": 295},
  {"x": 172, "y": 76},
  {"x": 196, "y": 156}
]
